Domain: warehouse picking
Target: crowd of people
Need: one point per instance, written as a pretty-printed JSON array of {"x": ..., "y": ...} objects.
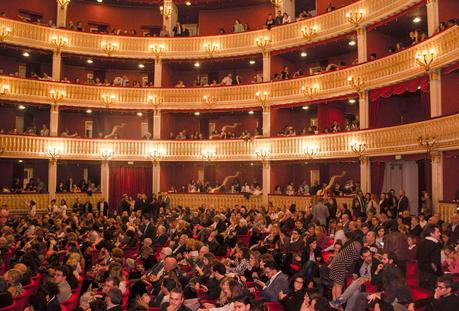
[
  {"x": 351, "y": 124},
  {"x": 232, "y": 258},
  {"x": 349, "y": 187},
  {"x": 235, "y": 186},
  {"x": 216, "y": 134}
]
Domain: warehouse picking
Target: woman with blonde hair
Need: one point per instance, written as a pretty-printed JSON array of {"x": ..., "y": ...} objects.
[{"x": 13, "y": 277}]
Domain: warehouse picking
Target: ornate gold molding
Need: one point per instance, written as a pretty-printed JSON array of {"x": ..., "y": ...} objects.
[
  {"x": 382, "y": 72},
  {"x": 331, "y": 25}
]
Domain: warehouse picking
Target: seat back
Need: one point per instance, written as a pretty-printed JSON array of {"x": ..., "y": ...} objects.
[
  {"x": 244, "y": 239},
  {"x": 13, "y": 307},
  {"x": 6, "y": 258},
  {"x": 94, "y": 257},
  {"x": 21, "y": 300},
  {"x": 72, "y": 303}
]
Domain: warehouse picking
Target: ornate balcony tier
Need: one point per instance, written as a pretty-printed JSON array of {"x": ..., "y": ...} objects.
[
  {"x": 329, "y": 25},
  {"x": 385, "y": 71},
  {"x": 386, "y": 141}
]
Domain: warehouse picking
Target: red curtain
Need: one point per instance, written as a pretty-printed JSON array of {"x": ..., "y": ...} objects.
[
  {"x": 450, "y": 69},
  {"x": 327, "y": 114},
  {"x": 130, "y": 181},
  {"x": 376, "y": 96},
  {"x": 377, "y": 177}
]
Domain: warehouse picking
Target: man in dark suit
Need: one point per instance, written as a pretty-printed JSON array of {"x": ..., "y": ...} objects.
[
  {"x": 77, "y": 206},
  {"x": 429, "y": 258},
  {"x": 277, "y": 282},
  {"x": 454, "y": 229},
  {"x": 87, "y": 207},
  {"x": 358, "y": 204},
  {"x": 69, "y": 184},
  {"x": 124, "y": 205},
  {"x": 114, "y": 299},
  {"x": 147, "y": 229},
  {"x": 176, "y": 299},
  {"x": 443, "y": 299},
  {"x": 102, "y": 207},
  {"x": 403, "y": 202}
]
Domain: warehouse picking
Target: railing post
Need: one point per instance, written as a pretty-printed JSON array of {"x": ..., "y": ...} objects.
[
  {"x": 435, "y": 93},
  {"x": 57, "y": 65},
  {"x": 52, "y": 178},
  {"x": 156, "y": 124},
  {"x": 433, "y": 19},
  {"x": 158, "y": 73},
  {"x": 365, "y": 174},
  {"x": 437, "y": 178},
  {"x": 266, "y": 121},
  {"x": 54, "y": 120},
  {"x": 105, "y": 181},
  {"x": 156, "y": 174},
  {"x": 266, "y": 66},
  {"x": 266, "y": 183},
  {"x": 364, "y": 115},
  {"x": 362, "y": 44}
]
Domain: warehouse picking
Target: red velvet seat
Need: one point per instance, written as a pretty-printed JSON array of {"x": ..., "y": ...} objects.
[
  {"x": 72, "y": 303},
  {"x": 420, "y": 293},
  {"x": 131, "y": 252},
  {"x": 244, "y": 239},
  {"x": 13, "y": 307},
  {"x": 6, "y": 259},
  {"x": 154, "y": 308},
  {"x": 125, "y": 299},
  {"x": 94, "y": 257},
  {"x": 273, "y": 306},
  {"x": 21, "y": 300},
  {"x": 326, "y": 256}
]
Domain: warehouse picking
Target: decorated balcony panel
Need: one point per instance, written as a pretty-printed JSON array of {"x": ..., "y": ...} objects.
[
  {"x": 405, "y": 139},
  {"x": 325, "y": 26},
  {"x": 440, "y": 51}
]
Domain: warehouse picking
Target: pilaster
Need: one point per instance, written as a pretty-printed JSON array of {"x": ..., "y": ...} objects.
[
  {"x": 170, "y": 20},
  {"x": 105, "y": 179},
  {"x": 433, "y": 19},
  {"x": 364, "y": 115},
  {"x": 435, "y": 93},
  {"x": 365, "y": 174},
  {"x": 54, "y": 121},
  {"x": 156, "y": 124},
  {"x": 266, "y": 182},
  {"x": 156, "y": 174},
  {"x": 362, "y": 44},
  {"x": 437, "y": 177},
  {"x": 61, "y": 21},
  {"x": 57, "y": 66},
  {"x": 266, "y": 66},
  {"x": 52, "y": 178},
  {"x": 158, "y": 73},
  {"x": 266, "y": 121}
]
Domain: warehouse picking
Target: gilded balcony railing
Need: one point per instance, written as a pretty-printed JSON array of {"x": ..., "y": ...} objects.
[
  {"x": 328, "y": 25},
  {"x": 385, "y": 141},
  {"x": 388, "y": 70},
  {"x": 447, "y": 210}
]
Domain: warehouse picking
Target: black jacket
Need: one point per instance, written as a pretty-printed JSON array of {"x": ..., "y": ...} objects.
[
  {"x": 449, "y": 303},
  {"x": 293, "y": 300},
  {"x": 429, "y": 253}
]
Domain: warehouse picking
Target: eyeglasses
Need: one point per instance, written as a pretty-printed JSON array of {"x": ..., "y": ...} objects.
[{"x": 441, "y": 287}]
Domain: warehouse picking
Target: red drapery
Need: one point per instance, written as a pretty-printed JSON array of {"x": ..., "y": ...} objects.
[
  {"x": 377, "y": 177},
  {"x": 376, "y": 96},
  {"x": 327, "y": 114},
  {"x": 129, "y": 180},
  {"x": 450, "y": 69}
]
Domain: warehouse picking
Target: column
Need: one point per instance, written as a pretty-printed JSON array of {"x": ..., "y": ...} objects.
[
  {"x": 364, "y": 108},
  {"x": 157, "y": 71},
  {"x": 365, "y": 174},
  {"x": 266, "y": 66},
  {"x": 156, "y": 124},
  {"x": 437, "y": 178},
  {"x": 362, "y": 44},
  {"x": 54, "y": 120},
  {"x": 435, "y": 93},
  {"x": 61, "y": 21},
  {"x": 57, "y": 65},
  {"x": 156, "y": 174},
  {"x": 52, "y": 178},
  {"x": 105, "y": 179},
  {"x": 433, "y": 19},
  {"x": 266, "y": 182},
  {"x": 266, "y": 121},
  {"x": 288, "y": 6},
  {"x": 169, "y": 21}
]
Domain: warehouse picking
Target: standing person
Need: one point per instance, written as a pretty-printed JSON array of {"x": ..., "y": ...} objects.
[
  {"x": 429, "y": 257},
  {"x": 102, "y": 207},
  {"x": 270, "y": 22},
  {"x": 358, "y": 205},
  {"x": 403, "y": 202},
  {"x": 397, "y": 243},
  {"x": 320, "y": 212},
  {"x": 279, "y": 18}
]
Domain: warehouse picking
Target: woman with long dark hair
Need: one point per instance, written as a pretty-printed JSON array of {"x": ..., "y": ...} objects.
[{"x": 293, "y": 299}]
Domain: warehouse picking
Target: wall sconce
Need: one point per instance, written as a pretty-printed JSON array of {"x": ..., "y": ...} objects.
[
  {"x": 276, "y": 3},
  {"x": 5, "y": 32},
  {"x": 208, "y": 100},
  {"x": 358, "y": 148},
  {"x": 310, "y": 151},
  {"x": 4, "y": 89},
  {"x": 211, "y": 48},
  {"x": 53, "y": 152},
  {"x": 209, "y": 154},
  {"x": 155, "y": 155},
  {"x": 427, "y": 142},
  {"x": 425, "y": 58},
  {"x": 157, "y": 50},
  {"x": 56, "y": 96},
  {"x": 355, "y": 83},
  {"x": 63, "y": 3},
  {"x": 109, "y": 47},
  {"x": 59, "y": 43},
  {"x": 154, "y": 101},
  {"x": 263, "y": 42},
  {"x": 263, "y": 154},
  {"x": 107, "y": 99},
  {"x": 262, "y": 98},
  {"x": 106, "y": 154},
  {"x": 309, "y": 32},
  {"x": 310, "y": 91},
  {"x": 166, "y": 11},
  {"x": 355, "y": 17}
]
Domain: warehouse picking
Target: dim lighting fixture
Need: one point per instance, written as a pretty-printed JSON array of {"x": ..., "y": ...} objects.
[
  {"x": 209, "y": 154},
  {"x": 54, "y": 152},
  {"x": 109, "y": 47},
  {"x": 100, "y": 1},
  {"x": 26, "y": 54},
  {"x": 309, "y": 32},
  {"x": 425, "y": 58},
  {"x": 197, "y": 65},
  {"x": 263, "y": 42},
  {"x": 310, "y": 151},
  {"x": 355, "y": 82},
  {"x": 90, "y": 61},
  {"x": 63, "y": 3},
  {"x": 352, "y": 43},
  {"x": 197, "y": 113},
  {"x": 158, "y": 50},
  {"x": 22, "y": 107},
  {"x": 417, "y": 19},
  {"x": 188, "y": 3},
  {"x": 166, "y": 11},
  {"x": 304, "y": 54},
  {"x": 5, "y": 32},
  {"x": 251, "y": 112},
  {"x": 352, "y": 101},
  {"x": 139, "y": 114},
  {"x": 305, "y": 107},
  {"x": 251, "y": 62},
  {"x": 20, "y": 161},
  {"x": 89, "y": 111},
  {"x": 141, "y": 66},
  {"x": 59, "y": 42},
  {"x": 355, "y": 17},
  {"x": 309, "y": 91},
  {"x": 358, "y": 148},
  {"x": 4, "y": 89},
  {"x": 211, "y": 48}
]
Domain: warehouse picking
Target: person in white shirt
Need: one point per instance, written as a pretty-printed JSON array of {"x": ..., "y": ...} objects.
[{"x": 227, "y": 80}]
